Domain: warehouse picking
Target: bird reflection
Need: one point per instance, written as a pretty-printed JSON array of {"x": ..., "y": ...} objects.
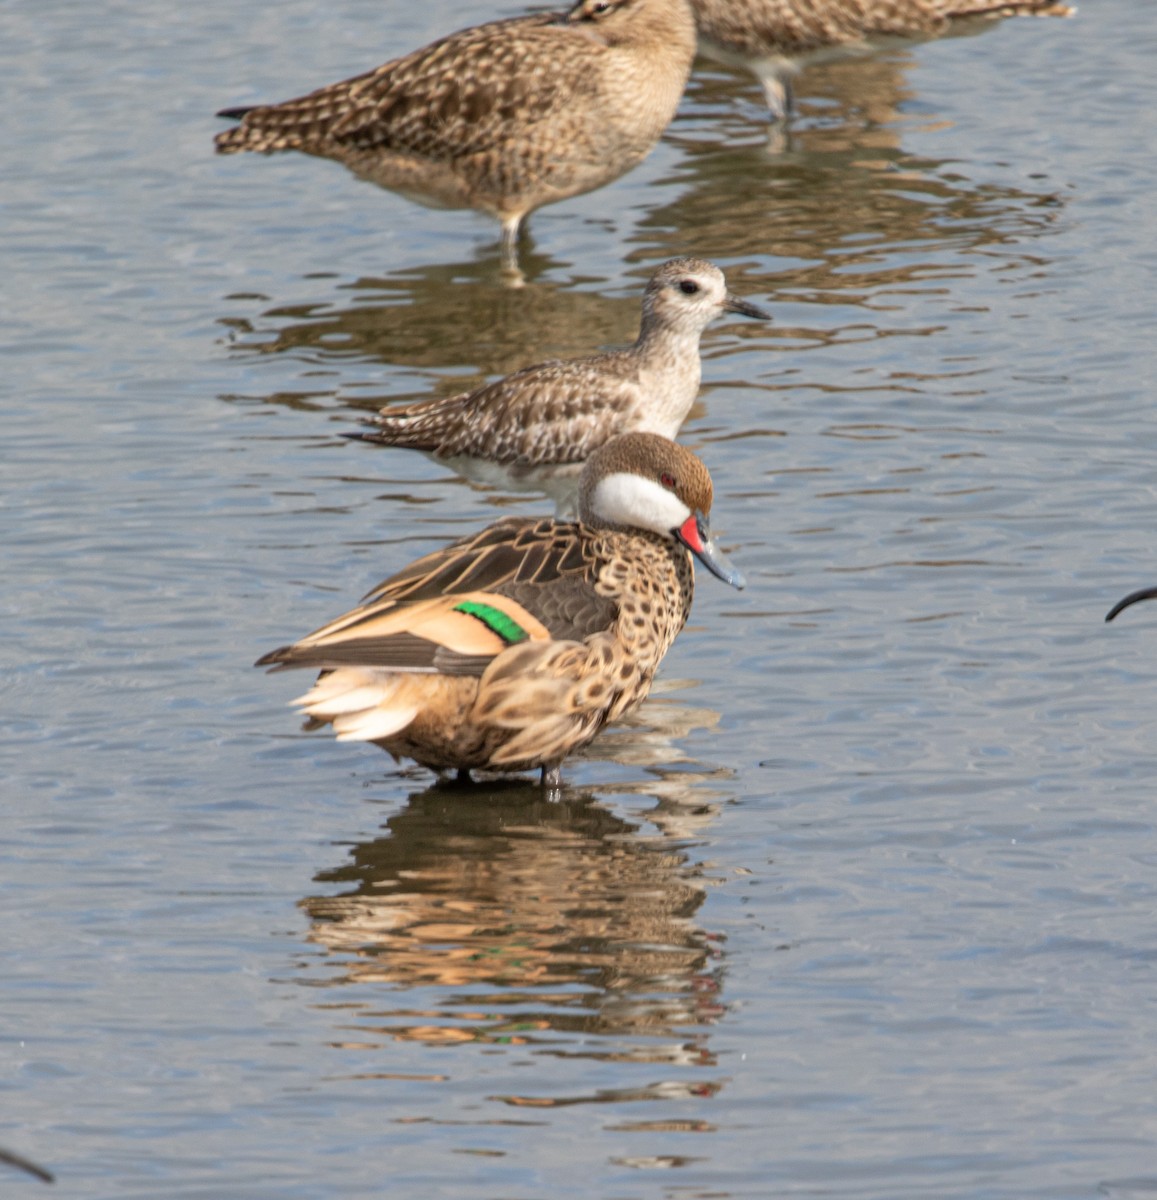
[
  {"x": 844, "y": 196},
  {"x": 857, "y": 103},
  {"x": 444, "y": 328},
  {"x": 533, "y": 917}
]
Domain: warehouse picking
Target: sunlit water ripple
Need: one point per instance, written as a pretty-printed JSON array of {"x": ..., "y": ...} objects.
[{"x": 859, "y": 905}]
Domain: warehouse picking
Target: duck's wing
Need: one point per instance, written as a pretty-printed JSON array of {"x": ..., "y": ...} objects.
[{"x": 453, "y": 611}]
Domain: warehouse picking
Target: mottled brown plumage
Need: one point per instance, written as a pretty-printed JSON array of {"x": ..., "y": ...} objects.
[
  {"x": 510, "y": 649},
  {"x": 504, "y": 117},
  {"x": 536, "y": 427},
  {"x": 773, "y": 38}
]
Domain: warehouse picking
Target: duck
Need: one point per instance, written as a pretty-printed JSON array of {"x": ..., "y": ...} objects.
[
  {"x": 510, "y": 649},
  {"x": 503, "y": 117},
  {"x": 773, "y": 39},
  {"x": 533, "y": 429},
  {"x": 1132, "y": 598}
]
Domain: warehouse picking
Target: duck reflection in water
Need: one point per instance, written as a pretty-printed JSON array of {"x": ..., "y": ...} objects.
[{"x": 507, "y": 919}]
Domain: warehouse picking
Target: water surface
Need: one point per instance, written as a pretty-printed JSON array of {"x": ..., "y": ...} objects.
[{"x": 859, "y": 905}]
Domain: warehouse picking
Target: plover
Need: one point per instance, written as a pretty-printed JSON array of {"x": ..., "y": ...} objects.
[{"x": 536, "y": 427}]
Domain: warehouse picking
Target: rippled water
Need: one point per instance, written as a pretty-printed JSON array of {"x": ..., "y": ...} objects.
[{"x": 859, "y": 905}]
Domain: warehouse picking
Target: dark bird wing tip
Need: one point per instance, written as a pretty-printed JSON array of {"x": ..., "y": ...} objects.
[{"x": 275, "y": 659}]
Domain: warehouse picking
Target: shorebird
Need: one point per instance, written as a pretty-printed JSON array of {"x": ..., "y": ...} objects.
[
  {"x": 508, "y": 650},
  {"x": 536, "y": 427},
  {"x": 775, "y": 38},
  {"x": 503, "y": 117},
  {"x": 1131, "y": 598}
]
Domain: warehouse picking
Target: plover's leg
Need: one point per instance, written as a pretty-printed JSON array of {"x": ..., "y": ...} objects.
[{"x": 777, "y": 91}]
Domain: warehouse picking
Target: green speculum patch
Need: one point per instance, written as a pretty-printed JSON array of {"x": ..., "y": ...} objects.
[{"x": 494, "y": 619}]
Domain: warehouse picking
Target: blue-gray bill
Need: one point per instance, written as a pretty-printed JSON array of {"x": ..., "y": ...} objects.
[{"x": 695, "y": 534}]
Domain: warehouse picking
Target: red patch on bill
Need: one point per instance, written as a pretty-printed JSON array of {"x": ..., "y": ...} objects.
[{"x": 689, "y": 533}]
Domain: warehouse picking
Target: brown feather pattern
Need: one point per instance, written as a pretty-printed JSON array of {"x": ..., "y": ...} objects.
[
  {"x": 513, "y": 647},
  {"x": 557, "y": 413},
  {"x": 503, "y": 117}
]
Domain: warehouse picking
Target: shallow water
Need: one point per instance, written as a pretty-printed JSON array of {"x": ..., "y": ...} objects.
[{"x": 859, "y": 905}]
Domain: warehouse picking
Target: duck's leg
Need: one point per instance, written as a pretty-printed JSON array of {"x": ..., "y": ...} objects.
[
  {"x": 463, "y": 776},
  {"x": 552, "y": 778}
]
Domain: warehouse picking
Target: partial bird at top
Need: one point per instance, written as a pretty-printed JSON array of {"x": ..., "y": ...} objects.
[
  {"x": 1132, "y": 598},
  {"x": 775, "y": 38},
  {"x": 503, "y": 117},
  {"x": 536, "y": 427}
]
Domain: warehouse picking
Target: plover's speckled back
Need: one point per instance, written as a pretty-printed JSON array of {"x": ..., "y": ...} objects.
[
  {"x": 773, "y": 38},
  {"x": 536, "y": 427},
  {"x": 504, "y": 117},
  {"x": 511, "y": 648}
]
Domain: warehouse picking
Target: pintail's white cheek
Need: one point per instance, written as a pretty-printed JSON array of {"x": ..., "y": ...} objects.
[{"x": 628, "y": 499}]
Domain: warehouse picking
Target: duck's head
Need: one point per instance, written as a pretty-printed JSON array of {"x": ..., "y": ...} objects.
[{"x": 644, "y": 481}]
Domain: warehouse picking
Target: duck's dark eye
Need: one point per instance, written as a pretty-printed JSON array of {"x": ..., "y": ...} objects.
[
  {"x": 688, "y": 287},
  {"x": 598, "y": 8},
  {"x": 668, "y": 481}
]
